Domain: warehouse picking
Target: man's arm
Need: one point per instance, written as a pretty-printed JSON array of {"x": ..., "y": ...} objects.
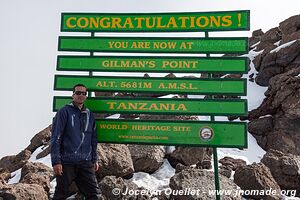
[
  {"x": 58, "y": 127},
  {"x": 94, "y": 146}
]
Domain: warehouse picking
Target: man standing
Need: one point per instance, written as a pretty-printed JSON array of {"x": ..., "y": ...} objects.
[{"x": 74, "y": 148}]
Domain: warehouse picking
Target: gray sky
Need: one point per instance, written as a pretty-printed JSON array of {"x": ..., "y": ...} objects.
[{"x": 28, "y": 50}]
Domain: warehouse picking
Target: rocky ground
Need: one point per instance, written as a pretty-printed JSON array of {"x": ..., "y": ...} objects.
[{"x": 274, "y": 124}]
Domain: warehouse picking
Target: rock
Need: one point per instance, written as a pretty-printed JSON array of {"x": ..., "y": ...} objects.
[
  {"x": 114, "y": 188},
  {"x": 259, "y": 178},
  {"x": 285, "y": 169},
  {"x": 38, "y": 179},
  {"x": 186, "y": 156},
  {"x": 261, "y": 126},
  {"x": 290, "y": 25},
  {"x": 115, "y": 159},
  {"x": 23, "y": 191},
  {"x": 225, "y": 171},
  {"x": 282, "y": 103},
  {"x": 146, "y": 158},
  {"x": 12, "y": 163},
  {"x": 37, "y": 173},
  {"x": 232, "y": 163},
  {"x": 104, "y": 94},
  {"x": 270, "y": 63},
  {"x": 290, "y": 37},
  {"x": 46, "y": 151},
  {"x": 4, "y": 175},
  {"x": 180, "y": 167},
  {"x": 37, "y": 168},
  {"x": 273, "y": 35},
  {"x": 41, "y": 138},
  {"x": 202, "y": 181},
  {"x": 256, "y": 37}
]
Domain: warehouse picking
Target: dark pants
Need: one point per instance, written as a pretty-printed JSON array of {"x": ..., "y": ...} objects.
[{"x": 84, "y": 176}]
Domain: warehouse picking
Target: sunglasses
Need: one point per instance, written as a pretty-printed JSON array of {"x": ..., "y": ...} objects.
[{"x": 80, "y": 93}]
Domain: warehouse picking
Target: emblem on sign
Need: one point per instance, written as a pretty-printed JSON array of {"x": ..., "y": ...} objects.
[{"x": 206, "y": 133}]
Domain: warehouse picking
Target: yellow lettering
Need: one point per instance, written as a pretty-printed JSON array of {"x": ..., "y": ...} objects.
[
  {"x": 94, "y": 23},
  {"x": 82, "y": 22},
  {"x": 183, "y": 21},
  {"x": 215, "y": 22},
  {"x": 181, "y": 107},
  {"x": 226, "y": 21},
  {"x": 148, "y": 22},
  {"x": 172, "y": 22},
  {"x": 128, "y": 23},
  {"x": 68, "y": 22},
  {"x": 115, "y": 23},
  {"x": 111, "y": 105},
  {"x": 105, "y": 22},
  {"x": 202, "y": 21},
  {"x": 139, "y": 21}
]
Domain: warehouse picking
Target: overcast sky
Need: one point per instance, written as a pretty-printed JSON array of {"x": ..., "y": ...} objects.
[{"x": 28, "y": 48}]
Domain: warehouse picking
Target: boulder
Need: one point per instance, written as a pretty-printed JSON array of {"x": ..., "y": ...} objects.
[
  {"x": 186, "y": 156},
  {"x": 23, "y": 191},
  {"x": 273, "y": 35},
  {"x": 290, "y": 25},
  {"x": 285, "y": 169},
  {"x": 12, "y": 163},
  {"x": 114, "y": 188},
  {"x": 37, "y": 173},
  {"x": 146, "y": 158},
  {"x": 258, "y": 178},
  {"x": 192, "y": 180},
  {"x": 232, "y": 163},
  {"x": 46, "y": 151},
  {"x": 261, "y": 126},
  {"x": 115, "y": 159},
  {"x": 5, "y": 175},
  {"x": 280, "y": 131},
  {"x": 256, "y": 37},
  {"x": 41, "y": 138}
]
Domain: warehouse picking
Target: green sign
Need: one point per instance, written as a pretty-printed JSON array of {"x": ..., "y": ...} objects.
[
  {"x": 154, "y": 85},
  {"x": 159, "y": 45},
  {"x": 156, "y": 22},
  {"x": 153, "y": 64},
  {"x": 192, "y": 133},
  {"x": 161, "y": 106}
]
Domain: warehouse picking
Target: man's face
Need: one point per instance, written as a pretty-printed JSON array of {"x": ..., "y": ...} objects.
[{"x": 79, "y": 96}]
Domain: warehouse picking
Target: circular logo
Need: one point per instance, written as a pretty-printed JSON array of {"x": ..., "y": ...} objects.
[{"x": 206, "y": 133}]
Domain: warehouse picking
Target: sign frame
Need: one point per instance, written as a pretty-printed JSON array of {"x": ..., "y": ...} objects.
[
  {"x": 83, "y": 40},
  {"x": 94, "y": 64},
  {"x": 246, "y": 19},
  {"x": 142, "y": 80},
  {"x": 168, "y": 122},
  {"x": 65, "y": 100}
]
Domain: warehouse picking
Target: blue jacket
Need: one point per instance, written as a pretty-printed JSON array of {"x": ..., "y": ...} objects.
[{"x": 73, "y": 136}]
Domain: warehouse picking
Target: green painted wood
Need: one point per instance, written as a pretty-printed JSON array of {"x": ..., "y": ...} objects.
[
  {"x": 156, "y": 22},
  {"x": 152, "y": 64},
  {"x": 154, "y": 44},
  {"x": 154, "y": 85}
]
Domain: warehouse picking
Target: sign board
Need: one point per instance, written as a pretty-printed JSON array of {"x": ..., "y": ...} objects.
[
  {"x": 154, "y": 85},
  {"x": 156, "y": 22},
  {"x": 158, "y": 45},
  {"x": 192, "y": 133},
  {"x": 160, "y": 106},
  {"x": 176, "y": 64}
]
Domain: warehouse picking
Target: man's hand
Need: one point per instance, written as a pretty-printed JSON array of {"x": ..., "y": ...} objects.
[
  {"x": 96, "y": 166},
  {"x": 58, "y": 169}
]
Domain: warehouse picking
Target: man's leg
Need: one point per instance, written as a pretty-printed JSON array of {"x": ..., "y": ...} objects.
[
  {"x": 86, "y": 181},
  {"x": 63, "y": 182}
]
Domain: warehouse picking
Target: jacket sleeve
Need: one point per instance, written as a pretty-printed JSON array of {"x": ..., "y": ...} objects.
[
  {"x": 94, "y": 143},
  {"x": 58, "y": 127}
]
